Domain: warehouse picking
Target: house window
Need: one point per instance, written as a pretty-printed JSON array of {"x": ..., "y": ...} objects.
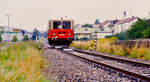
[
  {"x": 86, "y": 29},
  {"x": 113, "y": 31},
  {"x": 101, "y": 29}
]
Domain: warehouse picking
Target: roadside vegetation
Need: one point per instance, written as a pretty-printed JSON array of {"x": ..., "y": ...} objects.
[
  {"x": 2, "y": 44},
  {"x": 22, "y": 62},
  {"x": 26, "y": 38},
  {"x": 81, "y": 44},
  {"x": 106, "y": 46}
]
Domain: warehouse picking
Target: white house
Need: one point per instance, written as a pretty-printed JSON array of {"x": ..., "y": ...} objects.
[
  {"x": 11, "y": 35},
  {"x": 104, "y": 29},
  {"x": 111, "y": 27},
  {"x": 107, "y": 26},
  {"x": 82, "y": 32},
  {"x": 124, "y": 24}
]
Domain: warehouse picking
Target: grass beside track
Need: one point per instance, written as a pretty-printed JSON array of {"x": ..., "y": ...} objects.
[
  {"x": 2, "y": 44},
  {"x": 22, "y": 62},
  {"x": 105, "y": 46}
]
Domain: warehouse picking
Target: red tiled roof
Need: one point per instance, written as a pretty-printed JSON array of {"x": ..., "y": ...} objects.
[
  {"x": 77, "y": 25},
  {"x": 104, "y": 23},
  {"x": 122, "y": 21}
]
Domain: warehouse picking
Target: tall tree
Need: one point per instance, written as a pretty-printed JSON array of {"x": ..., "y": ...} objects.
[{"x": 140, "y": 29}]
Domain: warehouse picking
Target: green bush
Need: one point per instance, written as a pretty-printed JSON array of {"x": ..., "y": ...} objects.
[
  {"x": 140, "y": 29},
  {"x": 147, "y": 57},
  {"x": 26, "y": 38},
  {"x": 15, "y": 39}
]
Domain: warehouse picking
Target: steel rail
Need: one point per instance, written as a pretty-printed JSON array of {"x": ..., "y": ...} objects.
[
  {"x": 138, "y": 76},
  {"x": 114, "y": 58}
]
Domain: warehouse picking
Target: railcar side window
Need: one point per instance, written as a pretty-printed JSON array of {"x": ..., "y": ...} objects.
[
  {"x": 50, "y": 25},
  {"x": 66, "y": 25},
  {"x": 56, "y": 25}
]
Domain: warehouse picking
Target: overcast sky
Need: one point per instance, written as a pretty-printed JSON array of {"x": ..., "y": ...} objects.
[{"x": 29, "y": 14}]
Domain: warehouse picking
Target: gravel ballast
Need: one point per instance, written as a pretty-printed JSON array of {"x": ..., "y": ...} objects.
[{"x": 63, "y": 67}]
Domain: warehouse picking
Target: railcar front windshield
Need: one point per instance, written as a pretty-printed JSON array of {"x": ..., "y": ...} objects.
[
  {"x": 66, "y": 25},
  {"x": 61, "y": 25},
  {"x": 56, "y": 25}
]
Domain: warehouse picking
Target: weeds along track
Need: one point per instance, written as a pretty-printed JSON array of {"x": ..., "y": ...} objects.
[{"x": 123, "y": 68}]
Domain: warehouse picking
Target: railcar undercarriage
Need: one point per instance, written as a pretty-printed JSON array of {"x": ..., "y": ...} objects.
[{"x": 64, "y": 43}]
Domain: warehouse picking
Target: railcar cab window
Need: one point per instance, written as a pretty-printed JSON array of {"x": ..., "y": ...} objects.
[
  {"x": 63, "y": 25},
  {"x": 66, "y": 25},
  {"x": 56, "y": 25}
]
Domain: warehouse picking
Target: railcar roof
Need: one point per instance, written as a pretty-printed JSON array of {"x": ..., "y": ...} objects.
[{"x": 61, "y": 20}]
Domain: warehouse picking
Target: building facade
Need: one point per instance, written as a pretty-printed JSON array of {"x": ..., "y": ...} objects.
[
  {"x": 124, "y": 24},
  {"x": 82, "y": 33},
  {"x": 7, "y": 35},
  {"x": 108, "y": 27}
]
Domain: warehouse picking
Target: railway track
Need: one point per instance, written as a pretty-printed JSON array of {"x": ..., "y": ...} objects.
[
  {"x": 123, "y": 60},
  {"x": 96, "y": 60}
]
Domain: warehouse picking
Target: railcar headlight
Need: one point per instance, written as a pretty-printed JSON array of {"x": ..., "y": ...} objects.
[
  {"x": 54, "y": 33},
  {"x": 69, "y": 33}
]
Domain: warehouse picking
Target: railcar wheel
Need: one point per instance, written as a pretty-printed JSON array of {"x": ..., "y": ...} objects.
[
  {"x": 65, "y": 46},
  {"x": 53, "y": 46}
]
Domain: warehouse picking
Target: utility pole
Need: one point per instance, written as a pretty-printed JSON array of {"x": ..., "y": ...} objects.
[{"x": 8, "y": 27}]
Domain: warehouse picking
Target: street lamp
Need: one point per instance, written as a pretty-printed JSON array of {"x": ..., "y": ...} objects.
[{"x": 8, "y": 27}]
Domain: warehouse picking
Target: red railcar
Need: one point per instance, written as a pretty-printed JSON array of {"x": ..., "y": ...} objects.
[{"x": 60, "y": 32}]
